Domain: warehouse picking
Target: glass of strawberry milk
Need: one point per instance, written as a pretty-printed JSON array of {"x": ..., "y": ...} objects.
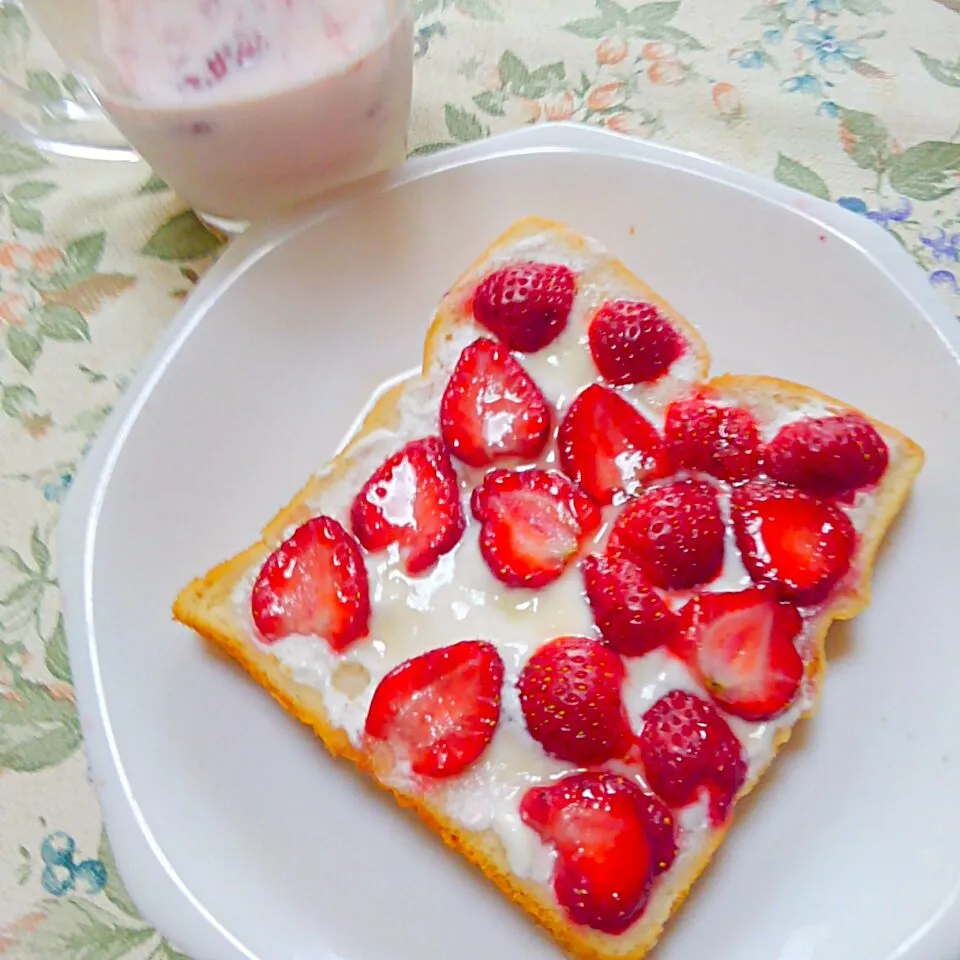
[{"x": 246, "y": 108}]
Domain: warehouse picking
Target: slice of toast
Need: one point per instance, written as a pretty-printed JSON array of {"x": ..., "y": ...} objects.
[{"x": 476, "y": 812}]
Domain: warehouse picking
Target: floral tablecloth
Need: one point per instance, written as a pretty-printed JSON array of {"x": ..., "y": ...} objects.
[{"x": 855, "y": 101}]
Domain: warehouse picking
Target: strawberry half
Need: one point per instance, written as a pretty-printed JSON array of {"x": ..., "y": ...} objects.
[
  {"x": 686, "y": 748},
  {"x": 608, "y": 447},
  {"x": 828, "y": 455},
  {"x": 633, "y": 342},
  {"x": 722, "y": 441},
  {"x": 571, "y": 697},
  {"x": 801, "y": 544},
  {"x": 492, "y": 410},
  {"x": 674, "y": 533},
  {"x": 631, "y": 616},
  {"x": 741, "y": 649},
  {"x": 413, "y": 501},
  {"x": 611, "y": 841},
  {"x": 526, "y": 305},
  {"x": 314, "y": 584},
  {"x": 438, "y": 712},
  {"x": 534, "y": 524}
]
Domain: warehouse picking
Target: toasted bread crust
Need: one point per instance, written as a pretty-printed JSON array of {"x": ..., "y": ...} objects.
[{"x": 207, "y": 607}]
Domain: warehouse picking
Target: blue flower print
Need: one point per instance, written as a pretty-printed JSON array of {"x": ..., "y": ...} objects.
[
  {"x": 944, "y": 246},
  {"x": 750, "y": 60},
  {"x": 884, "y": 216},
  {"x": 828, "y": 109},
  {"x": 853, "y": 204},
  {"x": 56, "y": 489},
  {"x": 61, "y": 872},
  {"x": 832, "y": 54},
  {"x": 802, "y": 83},
  {"x": 946, "y": 279},
  {"x": 772, "y": 37},
  {"x": 802, "y": 9}
]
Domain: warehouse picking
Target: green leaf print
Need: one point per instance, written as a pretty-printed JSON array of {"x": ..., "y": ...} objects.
[
  {"x": 60, "y": 322},
  {"x": 165, "y": 951},
  {"x": 72, "y": 929},
  {"x": 612, "y": 19},
  {"x": 794, "y": 174},
  {"x": 462, "y": 126},
  {"x": 37, "y": 730},
  {"x": 154, "y": 185},
  {"x": 926, "y": 171},
  {"x": 44, "y": 84},
  {"x": 18, "y": 158},
  {"x": 32, "y": 190},
  {"x": 26, "y": 218},
  {"x": 15, "y": 401},
  {"x": 56, "y": 659},
  {"x": 946, "y": 71},
  {"x": 114, "y": 891},
  {"x": 478, "y": 9},
  {"x": 183, "y": 237},
  {"x": 490, "y": 102},
  {"x": 13, "y": 559},
  {"x": 771, "y": 15},
  {"x": 521, "y": 81},
  {"x": 23, "y": 346},
  {"x": 863, "y": 8},
  {"x": 40, "y": 552},
  {"x": 85, "y": 253},
  {"x": 865, "y": 139}
]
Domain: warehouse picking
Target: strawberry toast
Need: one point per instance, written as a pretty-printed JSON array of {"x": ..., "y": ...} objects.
[{"x": 563, "y": 595}]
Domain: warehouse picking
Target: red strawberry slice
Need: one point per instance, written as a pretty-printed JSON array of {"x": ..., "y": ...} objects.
[
  {"x": 526, "y": 305},
  {"x": 742, "y": 651},
  {"x": 686, "y": 748},
  {"x": 438, "y": 712},
  {"x": 608, "y": 447},
  {"x": 633, "y": 342},
  {"x": 314, "y": 584},
  {"x": 801, "y": 544},
  {"x": 631, "y": 616},
  {"x": 492, "y": 410},
  {"x": 722, "y": 441},
  {"x": 413, "y": 501},
  {"x": 570, "y": 694},
  {"x": 828, "y": 455},
  {"x": 611, "y": 840},
  {"x": 674, "y": 533},
  {"x": 534, "y": 524}
]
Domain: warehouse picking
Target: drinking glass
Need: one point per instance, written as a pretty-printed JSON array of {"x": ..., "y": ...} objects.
[{"x": 245, "y": 107}]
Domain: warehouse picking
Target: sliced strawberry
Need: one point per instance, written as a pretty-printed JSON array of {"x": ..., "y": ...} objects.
[
  {"x": 828, "y": 455},
  {"x": 492, "y": 410},
  {"x": 674, "y": 533},
  {"x": 571, "y": 697},
  {"x": 631, "y": 616},
  {"x": 633, "y": 342},
  {"x": 799, "y": 543},
  {"x": 314, "y": 584},
  {"x": 526, "y": 305},
  {"x": 742, "y": 651},
  {"x": 413, "y": 501},
  {"x": 534, "y": 524},
  {"x": 722, "y": 441},
  {"x": 608, "y": 447},
  {"x": 611, "y": 841},
  {"x": 438, "y": 712},
  {"x": 686, "y": 748}
]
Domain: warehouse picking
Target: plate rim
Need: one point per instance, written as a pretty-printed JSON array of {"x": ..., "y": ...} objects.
[{"x": 153, "y": 882}]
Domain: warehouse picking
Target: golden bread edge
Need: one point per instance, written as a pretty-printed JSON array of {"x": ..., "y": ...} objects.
[{"x": 205, "y": 605}]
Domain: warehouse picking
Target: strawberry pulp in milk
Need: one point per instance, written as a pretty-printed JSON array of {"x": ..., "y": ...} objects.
[{"x": 247, "y": 107}]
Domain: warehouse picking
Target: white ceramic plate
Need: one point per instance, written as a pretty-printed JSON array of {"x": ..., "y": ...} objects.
[{"x": 239, "y": 837}]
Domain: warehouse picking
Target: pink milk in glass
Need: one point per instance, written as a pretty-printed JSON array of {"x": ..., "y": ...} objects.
[{"x": 248, "y": 107}]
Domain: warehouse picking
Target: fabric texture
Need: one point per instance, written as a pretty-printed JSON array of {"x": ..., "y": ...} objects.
[{"x": 855, "y": 101}]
